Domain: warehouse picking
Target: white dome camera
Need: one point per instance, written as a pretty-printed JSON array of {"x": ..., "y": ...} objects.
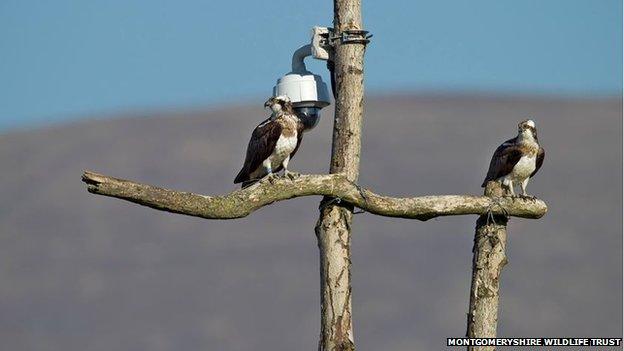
[{"x": 306, "y": 90}]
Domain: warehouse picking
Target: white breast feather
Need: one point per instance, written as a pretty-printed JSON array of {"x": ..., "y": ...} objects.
[
  {"x": 284, "y": 147},
  {"x": 523, "y": 169}
]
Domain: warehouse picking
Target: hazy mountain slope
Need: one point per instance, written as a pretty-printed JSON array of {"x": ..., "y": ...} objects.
[{"x": 83, "y": 272}]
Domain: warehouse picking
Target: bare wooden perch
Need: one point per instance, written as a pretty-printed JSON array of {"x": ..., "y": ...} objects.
[{"x": 241, "y": 203}]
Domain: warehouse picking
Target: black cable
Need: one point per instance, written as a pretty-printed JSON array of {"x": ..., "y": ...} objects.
[{"x": 332, "y": 77}]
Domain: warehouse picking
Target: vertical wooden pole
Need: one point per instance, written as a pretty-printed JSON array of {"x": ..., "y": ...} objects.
[
  {"x": 333, "y": 229},
  {"x": 488, "y": 261}
]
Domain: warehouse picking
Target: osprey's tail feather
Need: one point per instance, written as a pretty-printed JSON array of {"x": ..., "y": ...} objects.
[
  {"x": 247, "y": 183},
  {"x": 242, "y": 176}
]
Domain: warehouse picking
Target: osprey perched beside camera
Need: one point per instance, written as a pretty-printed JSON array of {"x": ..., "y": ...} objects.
[
  {"x": 273, "y": 142},
  {"x": 517, "y": 159}
]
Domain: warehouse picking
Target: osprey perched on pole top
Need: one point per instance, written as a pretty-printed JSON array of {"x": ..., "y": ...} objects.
[
  {"x": 517, "y": 159},
  {"x": 273, "y": 142}
]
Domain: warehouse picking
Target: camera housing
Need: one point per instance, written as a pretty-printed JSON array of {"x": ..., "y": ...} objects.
[{"x": 308, "y": 94}]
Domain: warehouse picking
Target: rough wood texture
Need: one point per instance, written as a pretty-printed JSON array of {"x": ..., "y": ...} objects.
[
  {"x": 489, "y": 258},
  {"x": 242, "y": 202},
  {"x": 333, "y": 229}
]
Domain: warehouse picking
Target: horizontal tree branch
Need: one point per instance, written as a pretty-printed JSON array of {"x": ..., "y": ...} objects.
[{"x": 242, "y": 202}]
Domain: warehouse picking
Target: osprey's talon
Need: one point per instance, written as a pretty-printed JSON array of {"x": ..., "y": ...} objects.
[
  {"x": 271, "y": 177},
  {"x": 514, "y": 197},
  {"x": 291, "y": 175}
]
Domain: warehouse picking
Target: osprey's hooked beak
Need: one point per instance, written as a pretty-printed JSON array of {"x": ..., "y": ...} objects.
[{"x": 268, "y": 103}]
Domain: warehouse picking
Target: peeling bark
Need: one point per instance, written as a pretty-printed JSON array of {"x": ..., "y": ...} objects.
[{"x": 488, "y": 261}]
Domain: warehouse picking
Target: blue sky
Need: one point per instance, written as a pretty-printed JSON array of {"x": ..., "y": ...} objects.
[{"x": 67, "y": 59}]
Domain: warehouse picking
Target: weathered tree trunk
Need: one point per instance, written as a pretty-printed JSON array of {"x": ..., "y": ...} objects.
[
  {"x": 488, "y": 261},
  {"x": 333, "y": 228}
]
